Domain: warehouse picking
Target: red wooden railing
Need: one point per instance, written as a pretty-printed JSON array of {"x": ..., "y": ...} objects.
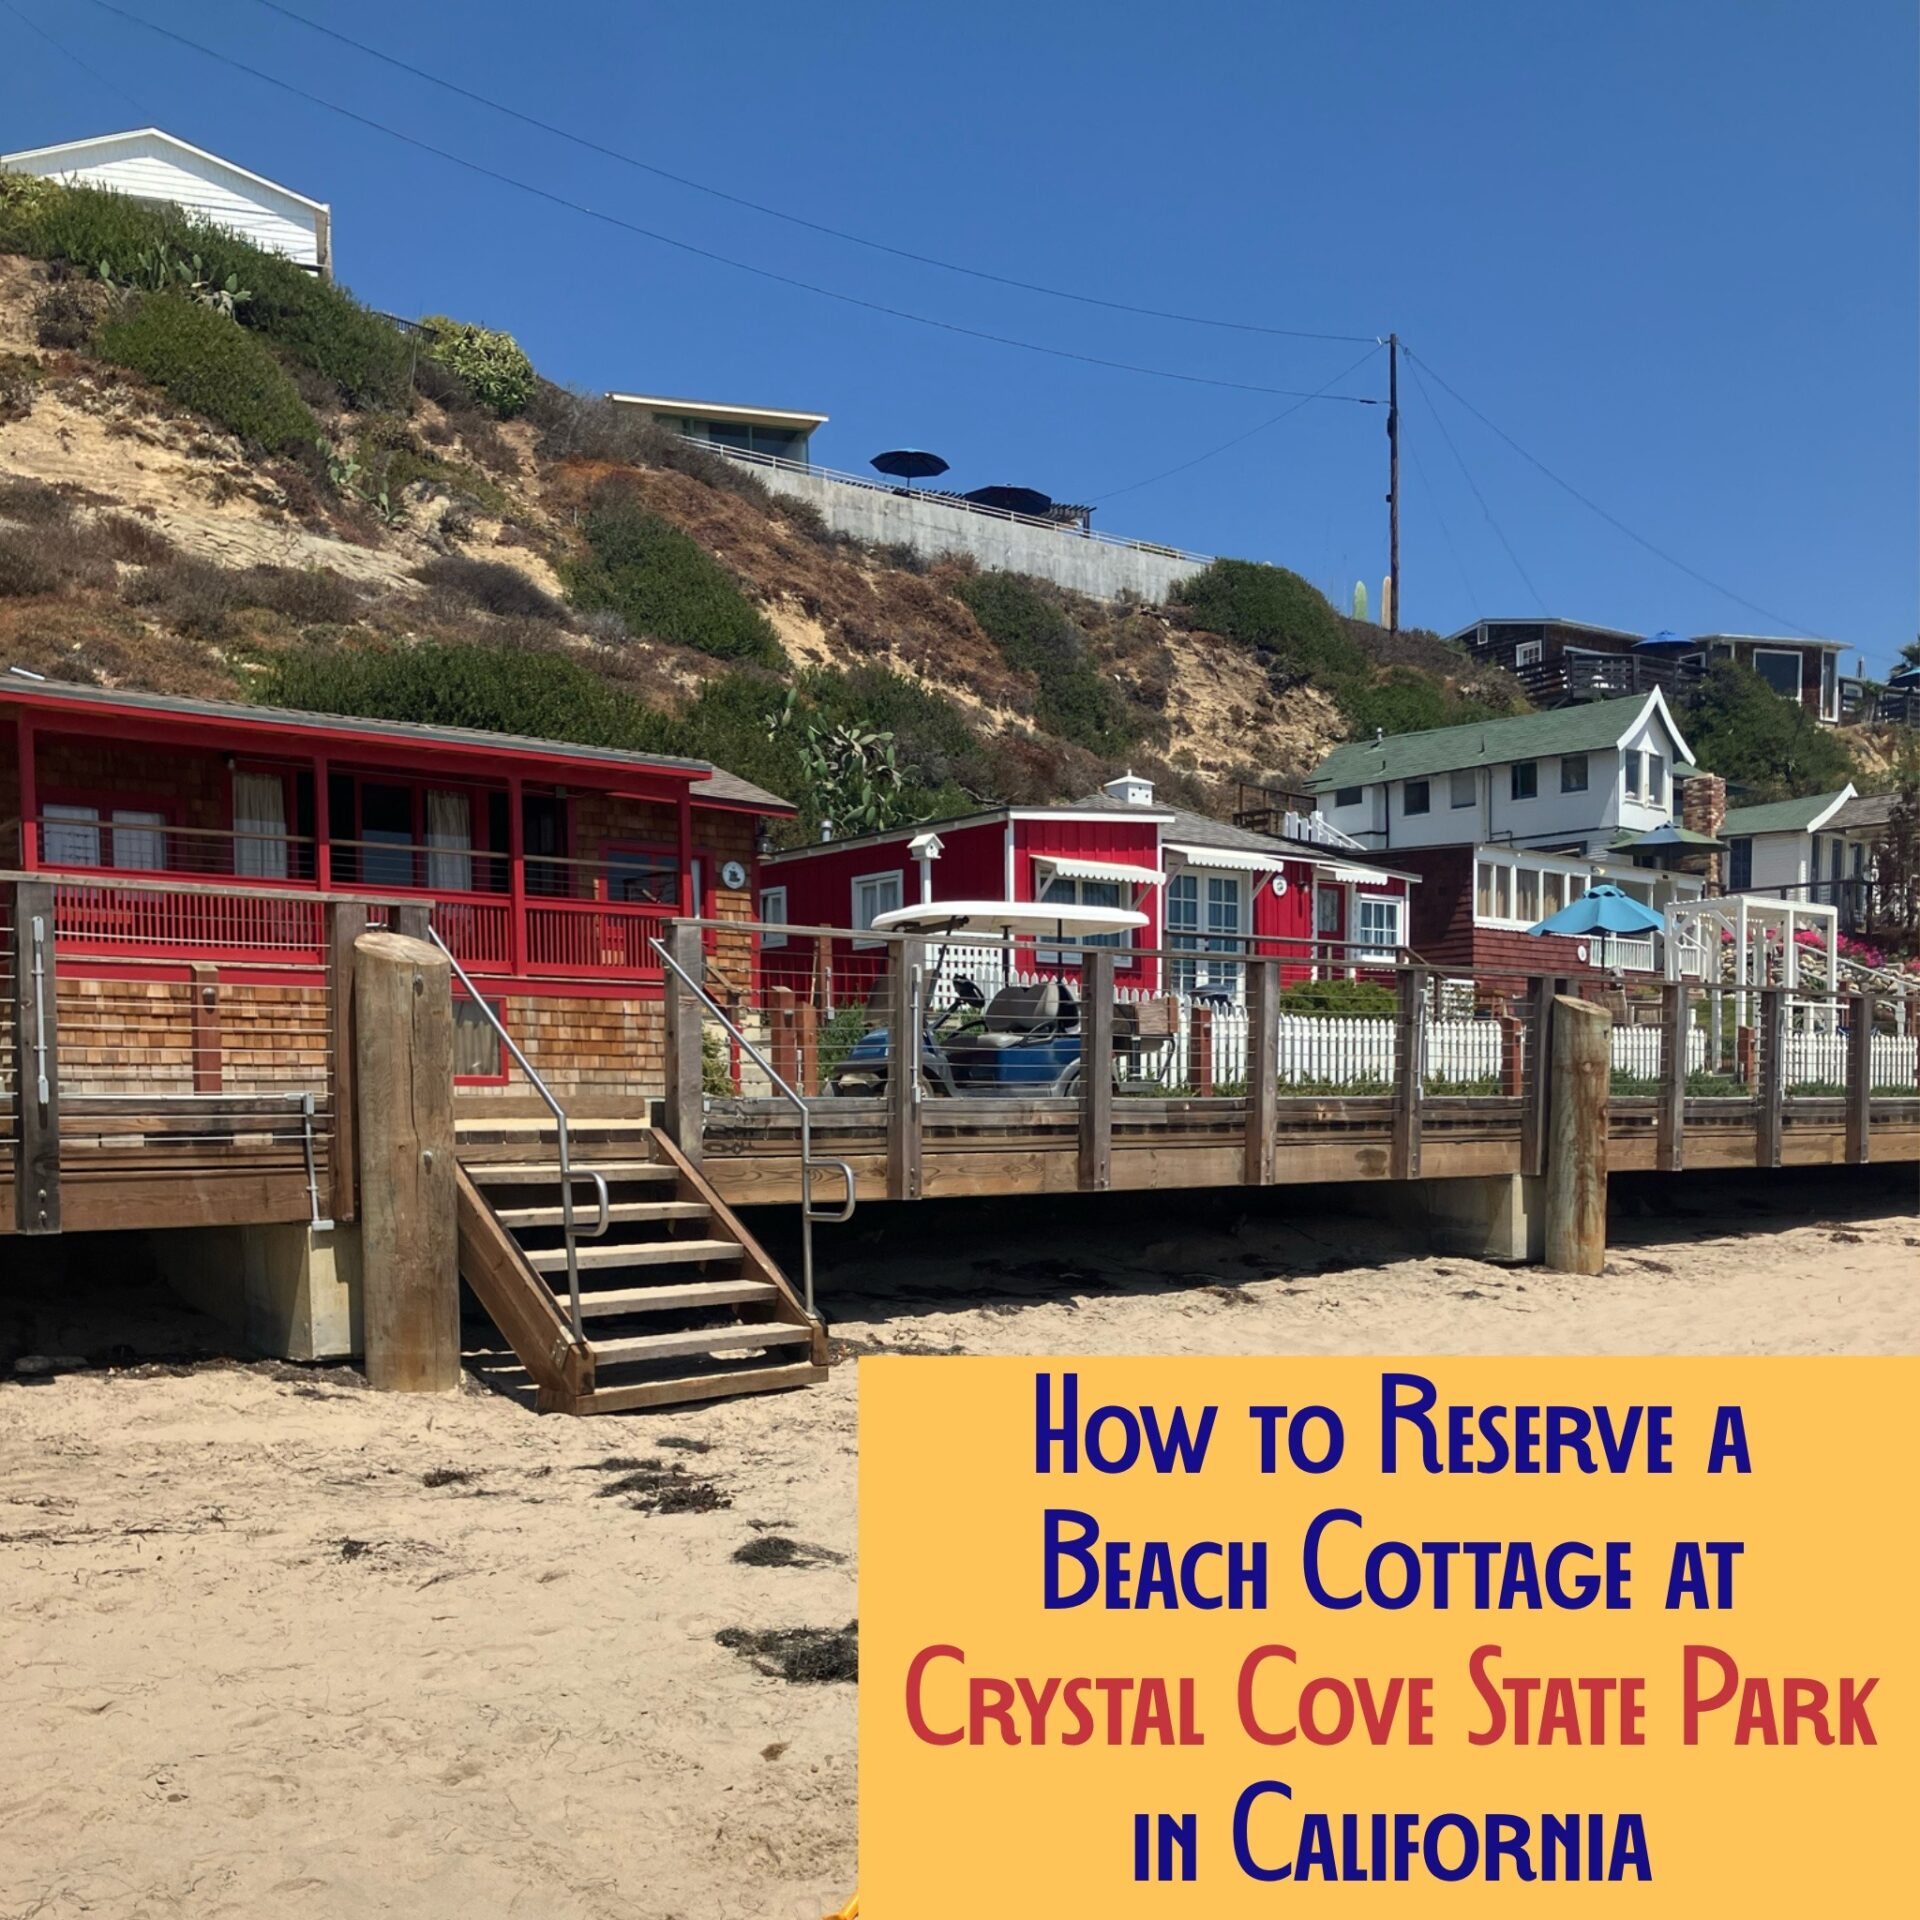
[{"x": 585, "y": 937}]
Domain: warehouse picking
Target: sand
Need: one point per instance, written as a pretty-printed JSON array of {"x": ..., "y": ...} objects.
[{"x": 264, "y": 1657}]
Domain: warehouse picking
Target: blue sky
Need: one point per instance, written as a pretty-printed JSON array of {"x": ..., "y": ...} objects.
[{"x": 1671, "y": 250}]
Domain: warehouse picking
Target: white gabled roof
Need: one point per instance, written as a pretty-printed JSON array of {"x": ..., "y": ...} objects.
[{"x": 79, "y": 151}]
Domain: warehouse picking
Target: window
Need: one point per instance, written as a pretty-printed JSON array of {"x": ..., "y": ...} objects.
[
  {"x": 1528, "y": 653},
  {"x": 1779, "y": 669},
  {"x": 1739, "y": 865},
  {"x": 1329, "y": 915},
  {"x": 1576, "y": 887},
  {"x": 1416, "y": 796},
  {"x": 644, "y": 876},
  {"x": 1347, "y": 796},
  {"x": 1656, "y": 793},
  {"x": 131, "y": 838},
  {"x": 1526, "y": 890},
  {"x": 1573, "y": 773},
  {"x": 1379, "y": 929},
  {"x": 260, "y": 825},
  {"x": 873, "y": 895},
  {"x": 1079, "y": 893},
  {"x": 1484, "y": 890},
  {"x": 449, "y": 842},
  {"x": 478, "y": 1052},
  {"x": 773, "y": 907},
  {"x": 1204, "y": 916},
  {"x": 1523, "y": 780},
  {"x": 1461, "y": 787},
  {"x": 1549, "y": 894}
]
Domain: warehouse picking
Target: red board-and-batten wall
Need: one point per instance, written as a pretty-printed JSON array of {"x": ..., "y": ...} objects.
[{"x": 973, "y": 865}]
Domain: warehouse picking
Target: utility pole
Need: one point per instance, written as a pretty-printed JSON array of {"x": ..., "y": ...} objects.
[{"x": 1393, "y": 482}]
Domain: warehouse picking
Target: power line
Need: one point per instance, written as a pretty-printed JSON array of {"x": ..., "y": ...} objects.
[
  {"x": 707, "y": 253},
  {"x": 1499, "y": 534},
  {"x": 67, "y": 53},
  {"x": 1133, "y": 486},
  {"x": 781, "y": 213},
  {"x": 1619, "y": 525}
]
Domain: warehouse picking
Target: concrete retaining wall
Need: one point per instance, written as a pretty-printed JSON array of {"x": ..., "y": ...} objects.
[{"x": 929, "y": 527}]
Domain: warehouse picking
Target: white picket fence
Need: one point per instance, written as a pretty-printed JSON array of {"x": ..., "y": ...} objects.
[{"x": 1362, "y": 1054}]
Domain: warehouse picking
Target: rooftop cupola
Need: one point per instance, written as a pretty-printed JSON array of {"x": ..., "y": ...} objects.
[{"x": 1131, "y": 789}]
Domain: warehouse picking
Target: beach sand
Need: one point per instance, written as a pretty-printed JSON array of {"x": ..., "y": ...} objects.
[{"x": 264, "y": 1656}]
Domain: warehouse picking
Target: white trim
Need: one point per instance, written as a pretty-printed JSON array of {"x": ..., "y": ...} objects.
[
  {"x": 1229, "y": 859},
  {"x": 1082, "y": 819},
  {"x": 765, "y": 894},
  {"x": 1068, "y": 867},
  {"x": 1799, "y": 660},
  {"x": 722, "y": 410},
  {"x": 860, "y": 880},
  {"x": 169, "y": 139},
  {"x": 1350, "y": 876},
  {"x": 1399, "y": 908},
  {"x": 1682, "y": 752}
]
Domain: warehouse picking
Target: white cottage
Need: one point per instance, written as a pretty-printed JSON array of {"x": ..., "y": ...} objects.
[{"x": 151, "y": 165}]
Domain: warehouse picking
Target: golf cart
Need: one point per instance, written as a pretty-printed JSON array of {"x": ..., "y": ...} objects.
[{"x": 1026, "y": 1039}]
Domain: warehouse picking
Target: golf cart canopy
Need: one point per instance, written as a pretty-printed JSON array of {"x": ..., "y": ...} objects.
[{"x": 1003, "y": 918}]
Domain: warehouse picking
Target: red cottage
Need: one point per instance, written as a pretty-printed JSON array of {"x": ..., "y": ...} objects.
[
  {"x": 548, "y": 867},
  {"x": 1210, "y": 890}
]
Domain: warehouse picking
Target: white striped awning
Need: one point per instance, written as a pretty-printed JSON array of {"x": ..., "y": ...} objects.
[
  {"x": 1228, "y": 859},
  {"x": 1065, "y": 867},
  {"x": 1351, "y": 876}
]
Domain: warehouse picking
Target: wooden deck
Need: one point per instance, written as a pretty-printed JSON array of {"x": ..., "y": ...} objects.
[{"x": 984, "y": 1148}]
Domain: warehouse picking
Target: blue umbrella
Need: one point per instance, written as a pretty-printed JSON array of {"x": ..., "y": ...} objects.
[{"x": 1602, "y": 909}]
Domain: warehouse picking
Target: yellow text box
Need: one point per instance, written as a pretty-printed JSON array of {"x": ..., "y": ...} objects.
[{"x": 1212, "y": 1705}]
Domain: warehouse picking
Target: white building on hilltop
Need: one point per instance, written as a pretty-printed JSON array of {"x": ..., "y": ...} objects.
[{"x": 150, "y": 165}]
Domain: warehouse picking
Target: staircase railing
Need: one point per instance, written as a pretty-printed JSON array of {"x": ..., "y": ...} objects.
[
  {"x": 553, "y": 1106},
  {"x": 833, "y": 1216}
]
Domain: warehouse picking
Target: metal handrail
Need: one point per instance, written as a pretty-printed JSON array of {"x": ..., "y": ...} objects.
[
  {"x": 837, "y": 1216},
  {"x": 554, "y": 1107}
]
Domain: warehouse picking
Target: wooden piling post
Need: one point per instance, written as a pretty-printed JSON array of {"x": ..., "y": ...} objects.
[
  {"x": 1202, "y": 1029},
  {"x": 403, "y": 997},
  {"x": 1671, "y": 1122},
  {"x": 36, "y": 1059},
  {"x": 807, "y": 1049},
  {"x": 208, "y": 1067},
  {"x": 1096, "y": 1070},
  {"x": 1577, "y": 1136},
  {"x": 1263, "y": 1070},
  {"x": 346, "y": 922},
  {"x": 905, "y": 1024},
  {"x": 685, "y": 1113},
  {"x": 1770, "y": 1076},
  {"x": 1861, "y": 1010},
  {"x": 1408, "y": 1079},
  {"x": 1534, "y": 1088},
  {"x": 783, "y": 1036}
]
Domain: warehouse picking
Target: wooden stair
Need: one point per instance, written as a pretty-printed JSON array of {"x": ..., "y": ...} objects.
[{"x": 678, "y": 1302}]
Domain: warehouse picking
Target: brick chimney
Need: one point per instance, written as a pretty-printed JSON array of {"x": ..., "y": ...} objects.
[{"x": 1703, "y": 809}]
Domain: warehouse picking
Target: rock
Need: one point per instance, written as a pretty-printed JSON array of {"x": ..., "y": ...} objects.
[{"x": 33, "y": 1364}]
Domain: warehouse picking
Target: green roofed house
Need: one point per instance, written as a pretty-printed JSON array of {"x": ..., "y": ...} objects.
[
  {"x": 1507, "y": 820},
  {"x": 1819, "y": 848}
]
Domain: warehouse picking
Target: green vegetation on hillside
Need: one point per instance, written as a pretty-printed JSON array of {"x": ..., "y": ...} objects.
[
  {"x": 211, "y": 366},
  {"x": 489, "y": 364},
  {"x": 312, "y": 321},
  {"x": 662, "y": 582},
  {"x": 1035, "y": 635},
  {"x": 1293, "y": 629},
  {"x": 449, "y": 684},
  {"x": 1739, "y": 728}
]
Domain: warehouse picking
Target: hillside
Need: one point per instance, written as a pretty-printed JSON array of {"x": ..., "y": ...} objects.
[{"x": 220, "y": 477}]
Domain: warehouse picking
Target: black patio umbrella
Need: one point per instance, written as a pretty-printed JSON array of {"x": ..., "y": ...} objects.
[
  {"x": 1012, "y": 499},
  {"x": 908, "y": 463}
]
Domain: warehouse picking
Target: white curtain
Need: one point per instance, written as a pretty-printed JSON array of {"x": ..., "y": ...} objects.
[
  {"x": 139, "y": 840},
  {"x": 449, "y": 843},
  {"x": 70, "y": 836},
  {"x": 260, "y": 824}
]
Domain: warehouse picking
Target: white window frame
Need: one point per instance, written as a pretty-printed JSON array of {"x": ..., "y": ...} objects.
[
  {"x": 891, "y": 875},
  {"x": 1408, "y": 810},
  {"x": 1505, "y": 870},
  {"x": 1454, "y": 798},
  {"x": 1212, "y": 968},
  {"x": 1514, "y": 797},
  {"x": 1063, "y": 890},
  {"x": 768, "y": 911},
  {"x": 1581, "y": 761},
  {"x": 1799, "y": 659},
  {"x": 1397, "y": 910},
  {"x": 1529, "y": 653}
]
